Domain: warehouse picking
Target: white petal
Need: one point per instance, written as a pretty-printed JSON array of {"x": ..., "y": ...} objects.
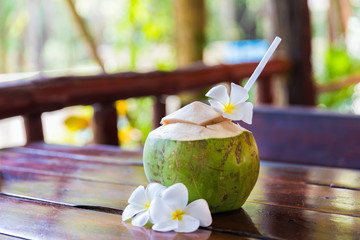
[
  {"x": 238, "y": 94},
  {"x": 247, "y": 111},
  {"x": 176, "y": 196},
  {"x": 188, "y": 224},
  {"x": 165, "y": 226},
  {"x": 154, "y": 190},
  {"x": 159, "y": 211},
  {"x": 130, "y": 211},
  {"x": 219, "y": 93},
  {"x": 216, "y": 105},
  {"x": 235, "y": 115},
  {"x": 138, "y": 197},
  {"x": 141, "y": 219},
  {"x": 199, "y": 209}
]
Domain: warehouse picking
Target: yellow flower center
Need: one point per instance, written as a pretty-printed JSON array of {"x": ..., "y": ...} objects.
[
  {"x": 228, "y": 108},
  {"x": 147, "y": 206},
  {"x": 177, "y": 215}
]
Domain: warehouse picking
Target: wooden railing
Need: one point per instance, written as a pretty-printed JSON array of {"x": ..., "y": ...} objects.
[{"x": 31, "y": 98}]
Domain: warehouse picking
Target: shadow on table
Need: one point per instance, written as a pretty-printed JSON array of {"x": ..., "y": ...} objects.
[{"x": 235, "y": 221}]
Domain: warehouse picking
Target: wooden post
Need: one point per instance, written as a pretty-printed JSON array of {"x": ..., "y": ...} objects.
[
  {"x": 291, "y": 21},
  {"x": 33, "y": 127},
  {"x": 105, "y": 124},
  {"x": 265, "y": 90},
  {"x": 159, "y": 110}
]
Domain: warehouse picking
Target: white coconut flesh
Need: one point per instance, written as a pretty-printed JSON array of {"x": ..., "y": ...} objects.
[{"x": 196, "y": 121}]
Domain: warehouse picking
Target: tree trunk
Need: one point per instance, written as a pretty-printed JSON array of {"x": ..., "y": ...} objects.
[
  {"x": 337, "y": 29},
  {"x": 3, "y": 59},
  {"x": 35, "y": 35},
  {"x": 291, "y": 21},
  {"x": 85, "y": 33},
  {"x": 190, "y": 33}
]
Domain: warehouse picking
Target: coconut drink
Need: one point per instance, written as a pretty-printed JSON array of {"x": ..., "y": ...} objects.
[
  {"x": 199, "y": 161},
  {"x": 200, "y": 147},
  {"x": 216, "y": 159}
]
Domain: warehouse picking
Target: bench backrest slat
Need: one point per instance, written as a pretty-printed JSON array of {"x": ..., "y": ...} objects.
[{"x": 303, "y": 135}]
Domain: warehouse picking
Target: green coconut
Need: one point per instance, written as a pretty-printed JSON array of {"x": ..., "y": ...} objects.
[{"x": 216, "y": 159}]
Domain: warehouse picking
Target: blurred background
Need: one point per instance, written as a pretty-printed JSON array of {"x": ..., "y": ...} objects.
[{"x": 82, "y": 37}]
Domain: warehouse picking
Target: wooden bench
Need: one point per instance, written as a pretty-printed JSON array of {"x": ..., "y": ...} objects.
[{"x": 307, "y": 136}]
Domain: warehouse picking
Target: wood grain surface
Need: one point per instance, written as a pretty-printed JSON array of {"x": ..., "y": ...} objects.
[{"x": 62, "y": 192}]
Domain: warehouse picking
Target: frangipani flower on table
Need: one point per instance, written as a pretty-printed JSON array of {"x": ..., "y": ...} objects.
[
  {"x": 234, "y": 106},
  {"x": 167, "y": 209},
  {"x": 171, "y": 212},
  {"x": 139, "y": 203}
]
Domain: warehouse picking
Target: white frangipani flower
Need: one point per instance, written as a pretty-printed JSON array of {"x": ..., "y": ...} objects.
[
  {"x": 171, "y": 212},
  {"x": 233, "y": 107},
  {"x": 139, "y": 203}
]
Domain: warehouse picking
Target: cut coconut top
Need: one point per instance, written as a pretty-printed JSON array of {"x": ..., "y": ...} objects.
[
  {"x": 197, "y": 113},
  {"x": 187, "y": 131},
  {"x": 194, "y": 122}
]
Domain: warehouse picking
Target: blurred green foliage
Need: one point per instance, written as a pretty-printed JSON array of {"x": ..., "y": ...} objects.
[
  {"x": 338, "y": 64},
  {"x": 334, "y": 59},
  {"x": 147, "y": 22},
  {"x": 140, "y": 117}
]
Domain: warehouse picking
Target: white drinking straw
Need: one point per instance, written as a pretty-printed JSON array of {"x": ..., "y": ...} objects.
[{"x": 262, "y": 63}]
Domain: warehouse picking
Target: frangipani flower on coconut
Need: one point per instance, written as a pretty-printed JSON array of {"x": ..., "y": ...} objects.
[
  {"x": 234, "y": 106},
  {"x": 139, "y": 204},
  {"x": 171, "y": 212}
]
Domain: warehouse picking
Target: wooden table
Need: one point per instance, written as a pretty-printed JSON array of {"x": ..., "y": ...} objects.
[{"x": 62, "y": 192}]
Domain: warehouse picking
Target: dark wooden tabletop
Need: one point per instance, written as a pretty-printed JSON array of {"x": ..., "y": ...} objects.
[{"x": 62, "y": 192}]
